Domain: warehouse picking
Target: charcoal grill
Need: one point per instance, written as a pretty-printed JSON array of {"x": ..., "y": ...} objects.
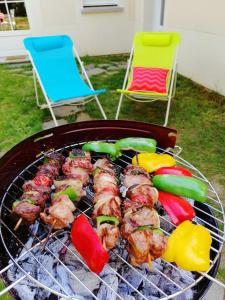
[{"x": 21, "y": 163}]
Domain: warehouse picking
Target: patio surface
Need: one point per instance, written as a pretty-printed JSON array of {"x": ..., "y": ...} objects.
[{"x": 197, "y": 113}]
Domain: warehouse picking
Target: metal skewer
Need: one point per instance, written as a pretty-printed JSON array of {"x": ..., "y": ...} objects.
[
  {"x": 48, "y": 236},
  {"x": 18, "y": 224}
]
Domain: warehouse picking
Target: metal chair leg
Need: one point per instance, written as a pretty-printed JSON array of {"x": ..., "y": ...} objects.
[
  {"x": 35, "y": 88},
  {"x": 167, "y": 111},
  {"x": 119, "y": 106},
  {"x": 100, "y": 107}
]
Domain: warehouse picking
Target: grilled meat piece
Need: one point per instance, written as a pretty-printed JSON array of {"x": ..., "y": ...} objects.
[
  {"x": 76, "y": 185},
  {"x": 55, "y": 157},
  {"x": 107, "y": 205},
  {"x": 144, "y": 193},
  {"x": 104, "y": 164},
  {"x": 135, "y": 170},
  {"x": 132, "y": 180},
  {"x": 103, "y": 181},
  {"x": 31, "y": 186},
  {"x": 51, "y": 170},
  {"x": 108, "y": 235},
  {"x": 141, "y": 217},
  {"x": 36, "y": 197},
  {"x": 78, "y": 162},
  {"x": 60, "y": 213},
  {"x": 27, "y": 211},
  {"x": 139, "y": 246},
  {"x": 158, "y": 244}
]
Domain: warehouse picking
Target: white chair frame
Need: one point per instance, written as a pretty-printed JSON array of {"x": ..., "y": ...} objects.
[
  {"x": 76, "y": 101},
  {"x": 148, "y": 98}
]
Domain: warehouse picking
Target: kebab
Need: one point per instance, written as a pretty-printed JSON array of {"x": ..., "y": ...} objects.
[
  {"x": 107, "y": 211},
  {"x": 69, "y": 188},
  {"x": 140, "y": 225},
  {"x": 38, "y": 190}
]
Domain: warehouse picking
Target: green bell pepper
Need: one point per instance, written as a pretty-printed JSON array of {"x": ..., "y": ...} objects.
[
  {"x": 182, "y": 186},
  {"x": 137, "y": 144},
  {"x": 107, "y": 219},
  {"x": 69, "y": 191},
  {"x": 102, "y": 147}
]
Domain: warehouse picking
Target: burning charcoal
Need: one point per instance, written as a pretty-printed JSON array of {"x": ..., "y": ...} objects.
[
  {"x": 106, "y": 293},
  {"x": 134, "y": 277},
  {"x": 166, "y": 225},
  {"x": 90, "y": 280},
  {"x": 62, "y": 275}
]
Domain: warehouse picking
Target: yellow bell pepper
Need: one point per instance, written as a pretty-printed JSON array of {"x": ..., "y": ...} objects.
[
  {"x": 153, "y": 161},
  {"x": 189, "y": 247}
]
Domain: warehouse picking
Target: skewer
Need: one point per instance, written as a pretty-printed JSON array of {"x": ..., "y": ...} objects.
[
  {"x": 18, "y": 224},
  {"x": 136, "y": 154},
  {"x": 48, "y": 236},
  {"x": 149, "y": 262}
]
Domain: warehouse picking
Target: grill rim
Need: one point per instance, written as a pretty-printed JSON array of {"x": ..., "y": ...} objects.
[{"x": 9, "y": 157}]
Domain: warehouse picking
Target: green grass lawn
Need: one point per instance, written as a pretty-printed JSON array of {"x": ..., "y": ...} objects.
[{"x": 197, "y": 113}]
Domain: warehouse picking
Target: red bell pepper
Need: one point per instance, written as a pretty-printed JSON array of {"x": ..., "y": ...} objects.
[
  {"x": 88, "y": 244},
  {"x": 177, "y": 208},
  {"x": 175, "y": 170}
]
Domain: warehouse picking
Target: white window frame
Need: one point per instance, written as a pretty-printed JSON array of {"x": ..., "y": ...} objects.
[
  {"x": 99, "y": 3},
  {"x": 13, "y": 31}
]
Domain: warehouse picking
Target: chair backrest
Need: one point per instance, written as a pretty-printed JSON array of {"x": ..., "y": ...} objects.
[
  {"x": 54, "y": 61},
  {"x": 155, "y": 49}
]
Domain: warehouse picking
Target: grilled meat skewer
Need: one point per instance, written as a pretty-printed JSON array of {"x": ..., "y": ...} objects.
[
  {"x": 38, "y": 190},
  {"x": 107, "y": 203},
  {"x": 140, "y": 225},
  {"x": 69, "y": 188}
]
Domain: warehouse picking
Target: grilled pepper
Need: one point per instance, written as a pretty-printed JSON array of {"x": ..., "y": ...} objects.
[
  {"x": 177, "y": 208},
  {"x": 87, "y": 243},
  {"x": 153, "y": 161},
  {"x": 102, "y": 147},
  {"x": 107, "y": 219},
  {"x": 189, "y": 247},
  {"x": 137, "y": 144},
  {"x": 182, "y": 186},
  {"x": 69, "y": 191},
  {"x": 175, "y": 170}
]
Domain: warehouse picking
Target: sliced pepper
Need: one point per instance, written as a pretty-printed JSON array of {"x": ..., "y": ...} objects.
[
  {"x": 175, "y": 170},
  {"x": 69, "y": 191},
  {"x": 182, "y": 186},
  {"x": 144, "y": 227},
  {"x": 102, "y": 147},
  {"x": 88, "y": 244},
  {"x": 137, "y": 144},
  {"x": 189, "y": 247},
  {"x": 107, "y": 219},
  {"x": 177, "y": 208},
  {"x": 153, "y": 161}
]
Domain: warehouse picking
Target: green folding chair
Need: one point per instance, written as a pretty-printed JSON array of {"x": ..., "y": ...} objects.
[{"x": 152, "y": 50}]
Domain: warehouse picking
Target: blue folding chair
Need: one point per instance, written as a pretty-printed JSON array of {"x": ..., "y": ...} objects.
[{"x": 54, "y": 65}]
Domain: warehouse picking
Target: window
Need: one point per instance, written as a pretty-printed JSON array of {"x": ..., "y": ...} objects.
[
  {"x": 98, "y": 3},
  {"x": 13, "y": 15}
]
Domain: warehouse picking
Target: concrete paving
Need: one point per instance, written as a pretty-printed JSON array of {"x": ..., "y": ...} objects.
[
  {"x": 64, "y": 111},
  {"x": 51, "y": 124},
  {"x": 216, "y": 292}
]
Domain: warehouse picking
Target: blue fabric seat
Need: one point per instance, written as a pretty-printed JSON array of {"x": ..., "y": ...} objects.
[{"x": 54, "y": 62}]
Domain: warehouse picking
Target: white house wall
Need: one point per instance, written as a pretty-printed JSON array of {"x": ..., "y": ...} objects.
[
  {"x": 202, "y": 27},
  {"x": 94, "y": 33}
]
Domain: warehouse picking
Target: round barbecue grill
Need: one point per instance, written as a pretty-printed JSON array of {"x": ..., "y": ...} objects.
[{"x": 24, "y": 265}]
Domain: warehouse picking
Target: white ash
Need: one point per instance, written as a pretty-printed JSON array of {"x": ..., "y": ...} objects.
[{"x": 140, "y": 278}]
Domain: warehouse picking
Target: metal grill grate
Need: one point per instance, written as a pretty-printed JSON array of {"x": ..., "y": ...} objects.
[{"x": 210, "y": 214}]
